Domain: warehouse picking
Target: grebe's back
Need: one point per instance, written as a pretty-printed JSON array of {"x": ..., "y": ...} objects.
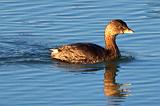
[{"x": 79, "y": 53}]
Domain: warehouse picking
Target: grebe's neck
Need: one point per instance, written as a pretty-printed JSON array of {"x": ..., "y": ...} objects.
[{"x": 111, "y": 47}]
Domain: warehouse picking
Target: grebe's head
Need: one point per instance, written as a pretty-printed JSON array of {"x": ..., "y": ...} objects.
[{"x": 116, "y": 27}]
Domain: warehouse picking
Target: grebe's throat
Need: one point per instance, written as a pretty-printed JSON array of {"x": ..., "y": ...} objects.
[{"x": 111, "y": 46}]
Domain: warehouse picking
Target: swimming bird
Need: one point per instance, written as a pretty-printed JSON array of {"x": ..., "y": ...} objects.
[{"x": 89, "y": 53}]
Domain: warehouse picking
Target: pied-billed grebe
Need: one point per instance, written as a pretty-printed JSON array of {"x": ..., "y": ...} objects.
[{"x": 83, "y": 53}]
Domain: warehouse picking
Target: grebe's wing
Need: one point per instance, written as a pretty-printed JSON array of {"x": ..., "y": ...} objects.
[{"x": 79, "y": 53}]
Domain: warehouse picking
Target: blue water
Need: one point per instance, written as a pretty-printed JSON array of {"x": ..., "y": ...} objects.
[{"x": 28, "y": 77}]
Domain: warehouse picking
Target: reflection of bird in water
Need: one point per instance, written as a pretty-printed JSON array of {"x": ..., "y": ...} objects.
[{"x": 111, "y": 88}]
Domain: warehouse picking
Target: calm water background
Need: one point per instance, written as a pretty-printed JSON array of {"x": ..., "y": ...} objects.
[{"x": 28, "y": 77}]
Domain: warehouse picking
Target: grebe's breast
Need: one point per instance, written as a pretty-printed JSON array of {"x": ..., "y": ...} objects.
[{"x": 79, "y": 53}]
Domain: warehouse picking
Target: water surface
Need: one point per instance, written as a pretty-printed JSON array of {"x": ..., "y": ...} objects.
[{"x": 28, "y": 29}]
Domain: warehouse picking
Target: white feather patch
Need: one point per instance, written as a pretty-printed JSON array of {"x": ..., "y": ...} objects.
[{"x": 54, "y": 51}]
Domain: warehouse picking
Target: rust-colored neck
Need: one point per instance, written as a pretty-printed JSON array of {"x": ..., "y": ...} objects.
[{"x": 111, "y": 46}]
